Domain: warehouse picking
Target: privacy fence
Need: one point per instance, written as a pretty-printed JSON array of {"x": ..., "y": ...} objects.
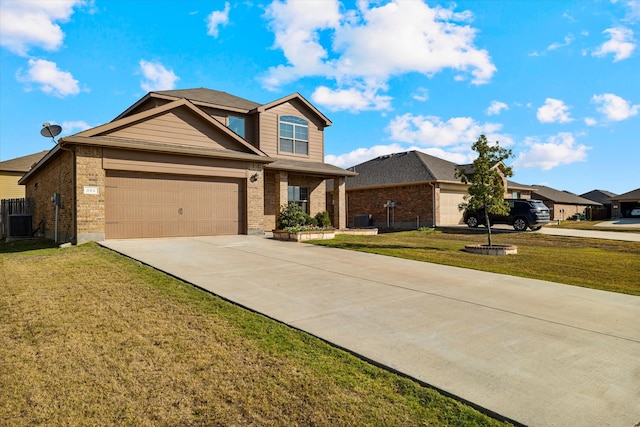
[{"x": 16, "y": 217}]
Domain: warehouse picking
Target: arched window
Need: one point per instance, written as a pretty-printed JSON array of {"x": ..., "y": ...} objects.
[{"x": 294, "y": 135}]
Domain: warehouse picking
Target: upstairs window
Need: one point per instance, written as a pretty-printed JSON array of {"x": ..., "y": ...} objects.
[
  {"x": 294, "y": 135},
  {"x": 236, "y": 124}
]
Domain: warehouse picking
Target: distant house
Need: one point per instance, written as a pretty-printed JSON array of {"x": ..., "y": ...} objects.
[
  {"x": 12, "y": 170},
  {"x": 189, "y": 162},
  {"x": 622, "y": 204},
  {"x": 409, "y": 190},
  {"x": 562, "y": 204},
  {"x": 602, "y": 197}
]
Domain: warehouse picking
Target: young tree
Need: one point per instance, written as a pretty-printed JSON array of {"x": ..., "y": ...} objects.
[{"x": 486, "y": 191}]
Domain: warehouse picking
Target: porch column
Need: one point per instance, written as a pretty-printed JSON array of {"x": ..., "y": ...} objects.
[
  {"x": 282, "y": 190},
  {"x": 339, "y": 203}
]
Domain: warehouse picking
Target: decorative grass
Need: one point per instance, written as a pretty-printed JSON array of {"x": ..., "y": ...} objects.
[
  {"x": 88, "y": 337},
  {"x": 594, "y": 263}
]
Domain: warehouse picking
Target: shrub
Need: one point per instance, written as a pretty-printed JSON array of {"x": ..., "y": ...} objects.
[
  {"x": 291, "y": 215},
  {"x": 322, "y": 219}
]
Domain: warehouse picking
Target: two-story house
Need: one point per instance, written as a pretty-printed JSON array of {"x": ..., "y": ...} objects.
[{"x": 186, "y": 163}]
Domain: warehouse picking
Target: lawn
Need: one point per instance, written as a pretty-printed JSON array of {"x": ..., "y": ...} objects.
[
  {"x": 595, "y": 263},
  {"x": 88, "y": 337}
]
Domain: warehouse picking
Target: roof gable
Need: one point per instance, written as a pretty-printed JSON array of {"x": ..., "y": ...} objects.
[
  {"x": 600, "y": 196},
  {"x": 296, "y": 98},
  {"x": 401, "y": 168},
  {"x": 22, "y": 164},
  {"x": 558, "y": 196},
  {"x": 631, "y": 195},
  {"x": 178, "y": 123}
]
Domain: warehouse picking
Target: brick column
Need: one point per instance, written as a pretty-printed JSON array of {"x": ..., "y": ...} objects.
[
  {"x": 282, "y": 194},
  {"x": 339, "y": 203},
  {"x": 255, "y": 202}
]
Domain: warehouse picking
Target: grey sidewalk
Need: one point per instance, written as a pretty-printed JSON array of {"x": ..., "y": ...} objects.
[{"x": 537, "y": 352}]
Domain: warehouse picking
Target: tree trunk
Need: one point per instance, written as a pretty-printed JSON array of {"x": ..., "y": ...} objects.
[{"x": 488, "y": 224}]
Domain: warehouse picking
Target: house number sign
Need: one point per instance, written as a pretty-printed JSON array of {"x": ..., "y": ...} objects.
[{"x": 89, "y": 189}]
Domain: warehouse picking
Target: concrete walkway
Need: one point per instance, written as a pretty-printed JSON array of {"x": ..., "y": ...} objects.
[
  {"x": 540, "y": 353},
  {"x": 592, "y": 234}
]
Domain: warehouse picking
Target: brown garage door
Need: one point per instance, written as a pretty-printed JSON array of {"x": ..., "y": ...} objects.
[{"x": 155, "y": 205}]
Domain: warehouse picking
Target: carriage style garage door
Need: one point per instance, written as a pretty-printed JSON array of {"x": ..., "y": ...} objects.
[{"x": 155, "y": 205}]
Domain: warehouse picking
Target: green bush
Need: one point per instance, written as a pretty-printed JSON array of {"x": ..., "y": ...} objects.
[
  {"x": 322, "y": 219},
  {"x": 291, "y": 215}
]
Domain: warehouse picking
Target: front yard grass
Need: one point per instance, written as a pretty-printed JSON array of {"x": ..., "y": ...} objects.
[
  {"x": 88, "y": 337},
  {"x": 594, "y": 263}
]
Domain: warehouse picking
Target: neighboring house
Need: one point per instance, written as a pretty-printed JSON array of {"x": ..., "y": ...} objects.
[
  {"x": 622, "y": 204},
  {"x": 562, "y": 204},
  {"x": 12, "y": 170},
  {"x": 187, "y": 163},
  {"x": 604, "y": 198},
  {"x": 410, "y": 189}
]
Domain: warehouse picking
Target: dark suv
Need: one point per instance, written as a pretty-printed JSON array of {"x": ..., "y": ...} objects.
[{"x": 524, "y": 213}]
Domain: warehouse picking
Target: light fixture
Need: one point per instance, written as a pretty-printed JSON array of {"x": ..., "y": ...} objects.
[{"x": 254, "y": 177}]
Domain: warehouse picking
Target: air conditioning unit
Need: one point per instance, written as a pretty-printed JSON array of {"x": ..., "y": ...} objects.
[
  {"x": 362, "y": 221},
  {"x": 20, "y": 225}
]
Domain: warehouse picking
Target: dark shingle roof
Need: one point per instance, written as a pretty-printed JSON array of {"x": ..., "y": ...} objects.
[
  {"x": 558, "y": 196},
  {"x": 308, "y": 167},
  {"x": 22, "y": 164},
  {"x": 401, "y": 168},
  {"x": 631, "y": 195},
  {"x": 210, "y": 96},
  {"x": 600, "y": 196}
]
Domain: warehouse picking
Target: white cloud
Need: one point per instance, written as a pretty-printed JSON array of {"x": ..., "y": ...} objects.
[
  {"x": 217, "y": 19},
  {"x": 558, "y": 150},
  {"x": 621, "y": 44},
  {"x": 157, "y": 77},
  {"x": 362, "y": 155},
  {"x": 350, "y": 99},
  {"x": 26, "y": 24},
  {"x": 614, "y": 107},
  {"x": 590, "y": 121},
  {"x": 553, "y": 111},
  {"x": 557, "y": 45},
  {"x": 457, "y": 133},
  {"x": 49, "y": 78},
  {"x": 71, "y": 127},
  {"x": 496, "y": 107},
  {"x": 633, "y": 12},
  {"x": 425, "y": 40},
  {"x": 421, "y": 94}
]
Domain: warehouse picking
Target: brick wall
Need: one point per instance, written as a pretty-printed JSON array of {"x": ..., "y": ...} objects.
[
  {"x": 90, "y": 217},
  {"x": 55, "y": 177},
  {"x": 255, "y": 202},
  {"x": 413, "y": 202}
]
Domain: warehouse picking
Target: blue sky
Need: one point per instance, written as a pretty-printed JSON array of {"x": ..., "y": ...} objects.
[{"x": 557, "y": 82}]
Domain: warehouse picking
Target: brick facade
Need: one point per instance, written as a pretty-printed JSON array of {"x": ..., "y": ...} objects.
[
  {"x": 255, "y": 201},
  {"x": 414, "y": 206},
  {"x": 90, "y": 216},
  {"x": 54, "y": 177}
]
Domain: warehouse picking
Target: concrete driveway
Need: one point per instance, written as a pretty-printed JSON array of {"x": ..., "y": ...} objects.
[{"x": 539, "y": 353}]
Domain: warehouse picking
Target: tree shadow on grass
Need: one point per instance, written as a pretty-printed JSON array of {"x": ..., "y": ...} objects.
[{"x": 14, "y": 246}]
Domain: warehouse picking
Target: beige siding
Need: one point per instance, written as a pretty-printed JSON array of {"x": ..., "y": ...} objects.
[
  {"x": 179, "y": 127},
  {"x": 171, "y": 164},
  {"x": 153, "y": 205},
  {"x": 269, "y": 132},
  {"x": 9, "y": 188}
]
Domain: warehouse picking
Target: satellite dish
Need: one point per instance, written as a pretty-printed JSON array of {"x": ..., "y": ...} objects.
[{"x": 50, "y": 131}]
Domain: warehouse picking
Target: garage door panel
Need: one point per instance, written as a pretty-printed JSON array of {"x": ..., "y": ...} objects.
[{"x": 154, "y": 205}]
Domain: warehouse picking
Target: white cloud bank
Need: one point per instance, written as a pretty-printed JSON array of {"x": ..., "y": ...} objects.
[
  {"x": 448, "y": 139},
  {"x": 553, "y": 111},
  {"x": 49, "y": 79},
  {"x": 27, "y": 24},
  {"x": 156, "y": 76},
  {"x": 361, "y": 57},
  {"x": 558, "y": 150},
  {"x": 614, "y": 107},
  {"x": 217, "y": 19},
  {"x": 621, "y": 44},
  {"x": 496, "y": 107}
]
